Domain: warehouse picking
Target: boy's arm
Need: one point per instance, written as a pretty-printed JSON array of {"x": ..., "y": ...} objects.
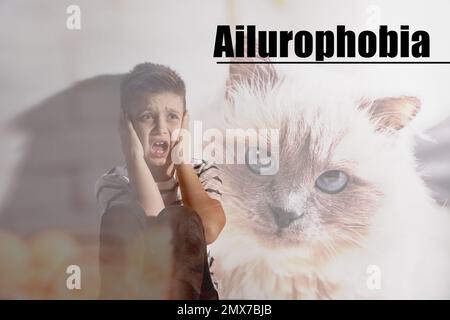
[
  {"x": 194, "y": 196},
  {"x": 144, "y": 185},
  {"x": 141, "y": 178}
]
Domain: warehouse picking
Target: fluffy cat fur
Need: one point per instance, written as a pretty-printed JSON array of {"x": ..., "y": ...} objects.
[{"x": 384, "y": 218}]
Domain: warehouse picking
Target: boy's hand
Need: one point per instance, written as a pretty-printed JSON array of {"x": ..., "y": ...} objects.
[
  {"x": 131, "y": 145},
  {"x": 180, "y": 150}
]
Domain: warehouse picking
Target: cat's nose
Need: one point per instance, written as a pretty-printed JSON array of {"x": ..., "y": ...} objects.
[{"x": 283, "y": 217}]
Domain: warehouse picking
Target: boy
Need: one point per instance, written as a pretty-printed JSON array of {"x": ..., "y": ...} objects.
[{"x": 151, "y": 191}]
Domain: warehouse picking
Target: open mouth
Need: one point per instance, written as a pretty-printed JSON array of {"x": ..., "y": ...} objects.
[{"x": 159, "y": 148}]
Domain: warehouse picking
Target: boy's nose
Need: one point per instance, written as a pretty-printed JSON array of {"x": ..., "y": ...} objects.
[{"x": 161, "y": 126}]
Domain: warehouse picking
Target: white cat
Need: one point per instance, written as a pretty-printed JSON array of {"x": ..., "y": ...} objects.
[{"x": 346, "y": 215}]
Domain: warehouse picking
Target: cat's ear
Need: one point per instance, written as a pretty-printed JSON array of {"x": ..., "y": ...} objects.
[
  {"x": 392, "y": 112},
  {"x": 254, "y": 72}
]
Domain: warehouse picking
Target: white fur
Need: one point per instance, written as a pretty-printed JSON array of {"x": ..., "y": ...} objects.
[{"x": 408, "y": 238}]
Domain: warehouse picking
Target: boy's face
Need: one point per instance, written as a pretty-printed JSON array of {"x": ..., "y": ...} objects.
[{"x": 155, "y": 117}]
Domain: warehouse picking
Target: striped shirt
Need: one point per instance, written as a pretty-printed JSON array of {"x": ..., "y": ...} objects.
[{"x": 114, "y": 186}]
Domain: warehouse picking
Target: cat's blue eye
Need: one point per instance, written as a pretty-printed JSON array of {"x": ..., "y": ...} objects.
[
  {"x": 257, "y": 160},
  {"x": 332, "y": 181}
]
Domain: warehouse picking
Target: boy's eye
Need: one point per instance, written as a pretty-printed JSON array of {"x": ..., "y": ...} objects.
[{"x": 145, "y": 117}]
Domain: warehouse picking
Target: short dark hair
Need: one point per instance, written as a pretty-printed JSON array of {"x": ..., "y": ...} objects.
[{"x": 151, "y": 78}]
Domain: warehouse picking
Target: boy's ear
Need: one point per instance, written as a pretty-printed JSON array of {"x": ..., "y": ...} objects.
[
  {"x": 255, "y": 75},
  {"x": 392, "y": 112}
]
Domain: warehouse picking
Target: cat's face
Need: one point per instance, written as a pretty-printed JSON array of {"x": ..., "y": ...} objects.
[
  {"x": 335, "y": 162},
  {"x": 320, "y": 191}
]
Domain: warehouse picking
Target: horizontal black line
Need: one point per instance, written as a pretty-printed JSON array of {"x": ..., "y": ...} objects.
[{"x": 333, "y": 62}]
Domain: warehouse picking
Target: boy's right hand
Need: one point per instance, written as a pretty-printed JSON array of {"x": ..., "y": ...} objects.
[{"x": 131, "y": 145}]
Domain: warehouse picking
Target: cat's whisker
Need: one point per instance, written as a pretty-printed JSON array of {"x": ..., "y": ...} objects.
[
  {"x": 349, "y": 239},
  {"x": 354, "y": 225},
  {"x": 331, "y": 249}
]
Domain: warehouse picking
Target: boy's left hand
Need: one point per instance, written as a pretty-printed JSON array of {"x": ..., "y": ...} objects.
[
  {"x": 131, "y": 145},
  {"x": 180, "y": 152},
  {"x": 185, "y": 121}
]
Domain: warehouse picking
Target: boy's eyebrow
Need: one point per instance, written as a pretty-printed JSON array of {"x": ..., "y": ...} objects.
[
  {"x": 145, "y": 108},
  {"x": 172, "y": 110}
]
